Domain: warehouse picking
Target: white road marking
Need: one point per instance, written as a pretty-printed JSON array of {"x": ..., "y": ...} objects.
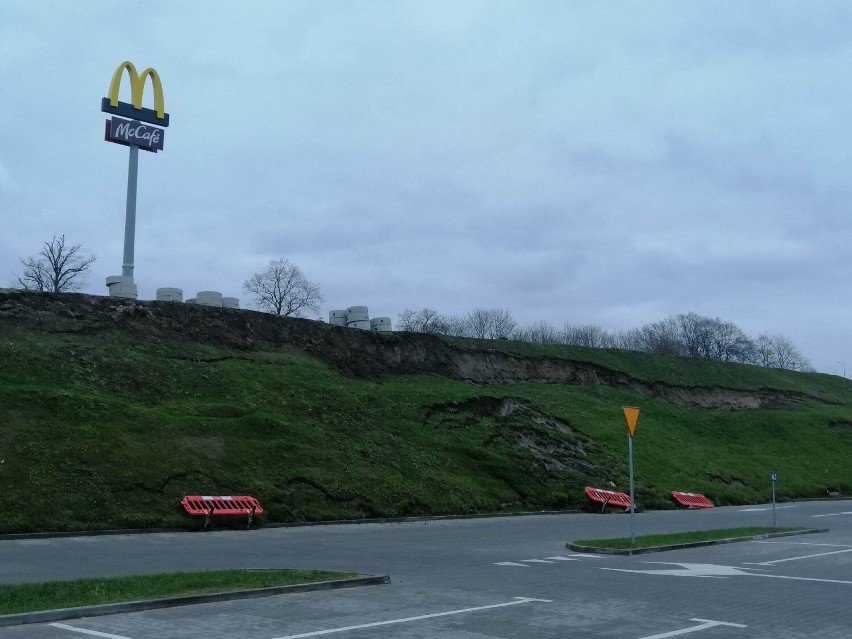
[
  {"x": 587, "y": 554},
  {"x": 706, "y": 623},
  {"x": 93, "y": 633},
  {"x": 714, "y": 571},
  {"x": 832, "y": 514},
  {"x": 688, "y": 570},
  {"x": 819, "y": 554},
  {"x": 803, "y": 543},
  {"x": 317, "y": 633},
  {"x": 827, "y": 581},
  {"x": 754, "y": 510},
  {"x": 548, "y": 560}
]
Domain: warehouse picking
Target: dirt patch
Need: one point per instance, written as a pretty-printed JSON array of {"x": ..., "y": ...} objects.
[
  {"x": 552, "y": 443},
  {"x": 840, "y": 424}
]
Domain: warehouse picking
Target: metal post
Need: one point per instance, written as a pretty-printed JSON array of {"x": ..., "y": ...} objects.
[
  {"x": 773, "y": 500},
  {"x": 130, "y": 217},
  {"x": 632, "y": 504}
]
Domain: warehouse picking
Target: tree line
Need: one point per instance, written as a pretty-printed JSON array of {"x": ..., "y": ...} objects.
[
  {"x": 281, "y": 288},
  {"x": 685, "y": 334}
]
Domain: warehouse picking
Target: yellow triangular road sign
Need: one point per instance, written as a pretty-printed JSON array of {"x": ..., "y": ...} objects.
[{"x": 631, "y": 416}]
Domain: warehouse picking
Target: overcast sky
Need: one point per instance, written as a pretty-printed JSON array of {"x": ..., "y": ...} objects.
[{"x": 610, "y": 163}]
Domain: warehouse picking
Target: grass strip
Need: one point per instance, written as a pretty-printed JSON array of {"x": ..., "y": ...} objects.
[
  {"x": 652, "y": 541},
  {"x": 51, "y": 595}
]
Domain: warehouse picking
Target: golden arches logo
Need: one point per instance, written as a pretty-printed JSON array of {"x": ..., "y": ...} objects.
[{"x": 135, "y": 110}]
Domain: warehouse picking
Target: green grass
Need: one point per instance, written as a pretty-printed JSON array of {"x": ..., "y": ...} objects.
[
  {"x": 653, "y": 541},
  {"x": 111, "y": 430},
  {"x": 53, "y": 595}
]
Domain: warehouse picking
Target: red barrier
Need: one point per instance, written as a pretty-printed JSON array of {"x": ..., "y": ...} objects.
[
  {"x": 692, "y": 500},
  {"x": 608, "y": 498},
  {"x": 207, "y": 506}
]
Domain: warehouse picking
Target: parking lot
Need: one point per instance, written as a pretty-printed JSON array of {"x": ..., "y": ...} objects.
[{"x": 482, "y": 578}]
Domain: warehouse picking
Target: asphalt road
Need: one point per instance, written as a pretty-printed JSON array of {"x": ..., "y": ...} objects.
[{"x": 482, "y": 578}]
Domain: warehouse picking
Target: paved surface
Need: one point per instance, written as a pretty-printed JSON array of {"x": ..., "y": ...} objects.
[{"x": 483, "y": 578}]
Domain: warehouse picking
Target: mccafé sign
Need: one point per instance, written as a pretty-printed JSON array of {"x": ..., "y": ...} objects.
[
  {"x": 134, "y": 132},
  {"x": 137, "y": 131}
]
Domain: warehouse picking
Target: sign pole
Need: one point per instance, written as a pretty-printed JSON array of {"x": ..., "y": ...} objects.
[
  {"x": 632, "y": 501},
  {"x": 134, "y": 132},
  {"x": 774, "y": 478},
  {"x": 631, "y": 417},
  {"x": 130, "y": 215}
]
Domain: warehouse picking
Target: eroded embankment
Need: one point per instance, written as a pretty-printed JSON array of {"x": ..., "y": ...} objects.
[{"x": 355, "y": 353}]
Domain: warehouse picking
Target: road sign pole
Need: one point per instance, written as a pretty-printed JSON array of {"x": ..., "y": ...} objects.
[
  {"x": 130, "y": 216},
  {"x": 774, "y": 479},
  {"x": 631, "y": 417},
  {"x": 632, "y": 504}
]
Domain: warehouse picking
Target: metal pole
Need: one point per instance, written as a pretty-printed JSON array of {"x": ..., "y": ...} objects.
[
  {"x": 773, "y": 504},
  {"x": 130, "y": 217},
  {"x": 632, "y": 505}
]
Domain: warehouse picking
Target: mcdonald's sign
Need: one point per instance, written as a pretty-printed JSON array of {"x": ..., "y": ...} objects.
[{"x": 134, "y": 110}]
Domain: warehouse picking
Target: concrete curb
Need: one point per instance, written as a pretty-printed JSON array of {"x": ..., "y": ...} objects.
[
  {"x": 47, "y": 616},
  {"x": 294, "y": 524},
  {"x": 694, "y": 544}
]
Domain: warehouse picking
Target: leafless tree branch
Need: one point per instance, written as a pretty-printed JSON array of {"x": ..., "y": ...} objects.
[
  {"x": 56, "y": 268},
  {"x": 282, "y": 289}
]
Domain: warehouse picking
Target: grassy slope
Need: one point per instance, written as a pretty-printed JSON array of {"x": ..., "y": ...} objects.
[{"x": 107, "y": 431}]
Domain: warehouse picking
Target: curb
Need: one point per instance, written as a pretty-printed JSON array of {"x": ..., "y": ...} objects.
[
  {"x": 291, "y": 524},
  {"x": 692, "y": 544},
  {"x": 46, "y": 616}
]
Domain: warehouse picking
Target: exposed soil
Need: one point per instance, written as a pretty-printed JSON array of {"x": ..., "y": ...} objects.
[
  {"x": 356, "y": 353},
  {"x": 552, "y": 443}
]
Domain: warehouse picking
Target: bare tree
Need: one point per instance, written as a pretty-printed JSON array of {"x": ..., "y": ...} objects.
[
  {"x": 56, "y": 268},
  {"x": 539, "y": 332},
  {"x": 282, "y": 289},
  {"x": 777, "y": 351},
  {"x": 489, "y": 323},
  {"x": 426, "y": 320},
  {"x": 586, "y": 335},
  {"x": 661, "y": 337},
  {"x": 731, "y": 344},
  {"x": 713, "y": 338},
  {"x": 763, "y": 351}
]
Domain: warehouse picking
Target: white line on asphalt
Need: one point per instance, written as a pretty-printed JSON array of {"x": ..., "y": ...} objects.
[
  {"x": 827, "y": 581},
  {"x": 754, "y": 510},
  {"x": 536, "y": 561},
  {"x": 509, "y": 563},
  {"x": 820, "y": 554},
  {"x": 707, "y": 623},
  {"x": 317, "y": 633},
  {"x": 712, "y": 570},
  {"x": 562, "y": 558},
  {"x": 93, "y": 633},
  {"x": 803, "y": 543},
  {"x": 832, "y": 514},
  {"x": 587, "y": 554}
]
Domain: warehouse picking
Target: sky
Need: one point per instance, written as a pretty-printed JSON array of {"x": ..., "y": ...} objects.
[{"x": 608, "y": 163}]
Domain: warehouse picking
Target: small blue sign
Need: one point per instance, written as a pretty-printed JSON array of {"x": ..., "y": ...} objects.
[{"x": 774, "y": 476}]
